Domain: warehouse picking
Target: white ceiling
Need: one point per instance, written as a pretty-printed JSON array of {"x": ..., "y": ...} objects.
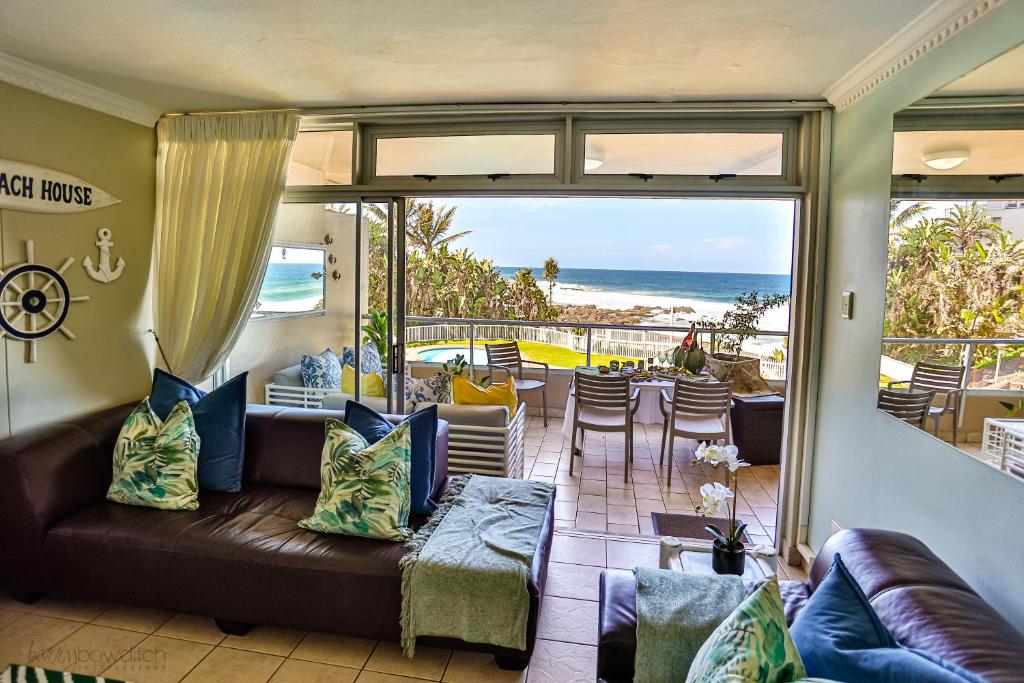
[
  {"x": 992, "y": 152},
  {"x": 1004, "y": 75},
  {"x": 215, "y": 54}
]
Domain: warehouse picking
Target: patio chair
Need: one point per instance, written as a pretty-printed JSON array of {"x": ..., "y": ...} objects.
[
  {"x": 695, "y": 410},
  {"x": 505, "y": 356},
  {"x": 910, "y": 406},
  {"x": 946, "y": 381},
  {"x": 603, "y": 403}
]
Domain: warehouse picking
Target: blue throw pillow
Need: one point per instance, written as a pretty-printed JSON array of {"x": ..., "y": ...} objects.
[
  {"x": 322, "y": 371},
  {"x": 372, "y": 426},
  {"x": 220, "y": 423},
  {"x": 839, "y": 637},
  {"x": 369, "y": 358}
]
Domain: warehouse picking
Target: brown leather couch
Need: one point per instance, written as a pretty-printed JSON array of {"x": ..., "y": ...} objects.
[
  {"x": 921, "y": 600},
  {"x": 239, "y": 558}
]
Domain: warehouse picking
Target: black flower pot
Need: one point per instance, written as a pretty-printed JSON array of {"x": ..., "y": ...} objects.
[{"x": 725, "y": 561}]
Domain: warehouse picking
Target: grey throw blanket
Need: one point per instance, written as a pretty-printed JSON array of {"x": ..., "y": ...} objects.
[
  {"x": 676, "y": 612},
  {"x": 467, "y": 570}
]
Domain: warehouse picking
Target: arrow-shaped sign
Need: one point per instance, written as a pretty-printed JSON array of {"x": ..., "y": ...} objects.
[{"x": 26, "y": 187}]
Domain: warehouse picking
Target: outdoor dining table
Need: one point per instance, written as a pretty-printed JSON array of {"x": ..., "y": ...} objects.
[{"x": 648, "y": 411}]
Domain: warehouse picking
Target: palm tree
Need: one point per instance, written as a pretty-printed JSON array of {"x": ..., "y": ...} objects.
[
  {"x": 551, "y": 271},
  {"x": 430, "y": 231},
  {"x": 899, "y": 218},
  {"x": 425, "y": 228}
]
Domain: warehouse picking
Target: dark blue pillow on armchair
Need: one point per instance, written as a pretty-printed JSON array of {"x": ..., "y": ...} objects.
[
  {"x": 220, "y": 423},
  {"x": 840, "y": 638},
  {"x": 423, "y": 437}
]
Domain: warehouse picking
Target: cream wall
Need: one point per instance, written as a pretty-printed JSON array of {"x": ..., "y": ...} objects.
[
  {"x": 868, "y": 469},
  {"x": 267, "y": 346},
  {"x": 109, "y": 361}
]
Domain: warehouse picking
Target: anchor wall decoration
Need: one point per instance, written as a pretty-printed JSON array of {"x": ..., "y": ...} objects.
[{"x": 103, "y": 272}]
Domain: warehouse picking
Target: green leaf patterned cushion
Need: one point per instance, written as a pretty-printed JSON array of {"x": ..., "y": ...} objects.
[
  {"x": 364, "y": 489},
  {"x": 155, "y": 460},
  {"x": 752, "y": 645}
]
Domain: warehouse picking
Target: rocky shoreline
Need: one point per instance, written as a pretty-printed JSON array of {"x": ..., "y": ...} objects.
[{"x": 589, "y": 313}]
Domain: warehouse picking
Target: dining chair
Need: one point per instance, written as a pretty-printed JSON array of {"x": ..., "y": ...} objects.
[
  {"x": 695, "y": 410},
  {"x": 505, "y": 356},
  {"x": 603, "y": 403},
  {"x": 944, "y": 380},
  {"x": 910, "y": 406}
]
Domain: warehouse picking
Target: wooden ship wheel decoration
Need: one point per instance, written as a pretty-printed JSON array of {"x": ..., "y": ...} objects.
[{"x": 35, "y": 301}]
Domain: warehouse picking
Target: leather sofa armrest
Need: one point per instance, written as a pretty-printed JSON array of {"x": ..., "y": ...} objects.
[{"x": 47, "y": 474}]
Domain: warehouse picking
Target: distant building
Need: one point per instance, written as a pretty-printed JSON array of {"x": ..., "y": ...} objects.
[{"x": 1007, "y": 213}]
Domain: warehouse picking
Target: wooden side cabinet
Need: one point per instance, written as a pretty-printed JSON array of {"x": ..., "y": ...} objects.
[{"x": 757, "y": 428}]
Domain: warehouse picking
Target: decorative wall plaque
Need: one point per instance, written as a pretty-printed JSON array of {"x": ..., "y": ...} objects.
[
  {"x": 26, "y": 187},
  {"x": 34, "y": 301}
]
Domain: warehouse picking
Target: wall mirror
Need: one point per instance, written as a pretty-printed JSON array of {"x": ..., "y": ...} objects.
[
  {"x": 295, "y": 283},
  {"x": 952, "y": 360}
]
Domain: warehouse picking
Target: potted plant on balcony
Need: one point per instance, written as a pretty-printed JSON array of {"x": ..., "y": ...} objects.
[
  {"x": 728, "y": 555},
  {"x": 737, "y": 325}
]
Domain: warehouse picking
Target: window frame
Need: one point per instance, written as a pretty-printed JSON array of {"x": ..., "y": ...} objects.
[
  {"x": 933, "y": 114},
  {"x": 372, "y": 133},
  {"x": 292, "y": 315},
  {"x": 787, "y": 180}
]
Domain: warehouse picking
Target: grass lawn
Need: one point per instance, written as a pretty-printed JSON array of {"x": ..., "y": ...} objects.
[{"x": 555, "y": 356}]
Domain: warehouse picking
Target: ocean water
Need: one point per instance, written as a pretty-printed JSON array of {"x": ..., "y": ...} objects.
[
  {"x": 290, "y": 282},
  {"x": 718, "y": 288}
]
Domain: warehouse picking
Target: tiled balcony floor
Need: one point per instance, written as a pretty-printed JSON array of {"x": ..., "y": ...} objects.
[{"x": 595, "y": 497}]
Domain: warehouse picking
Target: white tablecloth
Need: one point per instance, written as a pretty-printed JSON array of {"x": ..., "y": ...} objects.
[{"x": 648, "y": 412}]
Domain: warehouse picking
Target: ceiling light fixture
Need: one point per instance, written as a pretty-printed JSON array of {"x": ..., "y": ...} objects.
[
  {"x": 592, "y": 163},
  {"x": 946, "y": 159}
]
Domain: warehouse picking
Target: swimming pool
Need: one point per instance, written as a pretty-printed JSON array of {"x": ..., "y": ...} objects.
[{"x": 443, "y": 354}]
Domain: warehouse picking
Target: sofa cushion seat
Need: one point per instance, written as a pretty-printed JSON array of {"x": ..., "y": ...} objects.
[
  {"x": 258, "y": 525},
  {"x": 252, "y": 534}
]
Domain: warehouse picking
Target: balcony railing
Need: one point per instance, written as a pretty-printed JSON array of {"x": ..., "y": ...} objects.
[
  {"x": 587, "y": 339},
  {"x": 992, "y": 363}
]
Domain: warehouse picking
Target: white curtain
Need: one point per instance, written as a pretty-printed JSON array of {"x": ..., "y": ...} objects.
[{"x": 218, "y": 183}]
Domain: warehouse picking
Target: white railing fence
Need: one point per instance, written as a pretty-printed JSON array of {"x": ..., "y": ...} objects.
[{"x": 630, "y": 342}]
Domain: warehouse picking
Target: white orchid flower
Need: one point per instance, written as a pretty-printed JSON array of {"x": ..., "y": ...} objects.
[
  {"x": 732, "y": 459},
  {"x": 715, "y": 455},
  {"x": 714, "y": 499},
  {"x": 709, "y": 453}
]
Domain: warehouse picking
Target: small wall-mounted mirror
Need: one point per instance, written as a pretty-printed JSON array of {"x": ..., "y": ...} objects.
[
  {"x": 295, "y": 283},
  {"x": 953, "y": 347}
]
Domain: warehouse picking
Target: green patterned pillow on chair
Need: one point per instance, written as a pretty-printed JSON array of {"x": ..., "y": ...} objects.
[
  {"x": 752, "y": 644},
  {"x": 155, "y": 460},
  {"x": 364, "y": 488}
]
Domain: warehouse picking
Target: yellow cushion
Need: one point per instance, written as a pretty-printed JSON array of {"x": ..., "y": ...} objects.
[
  {"x": 373, "y": 383},
  {"x": 469, "y": 394}
]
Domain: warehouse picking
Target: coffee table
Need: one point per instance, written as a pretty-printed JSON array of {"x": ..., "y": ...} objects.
[{"x": 694, "y": 557}]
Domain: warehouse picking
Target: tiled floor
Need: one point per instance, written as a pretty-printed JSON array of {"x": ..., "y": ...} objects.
[
  {"x": 596, "y": 498},
  {"x": 145, "y": 646},
  {"x": 152, "y": 646}
]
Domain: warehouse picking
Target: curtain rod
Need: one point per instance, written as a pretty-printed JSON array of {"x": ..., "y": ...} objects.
[{"x": 232, "y": 111}]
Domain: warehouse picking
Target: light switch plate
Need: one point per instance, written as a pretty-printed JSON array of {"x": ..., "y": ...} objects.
[{"x": 848, "y": 304}]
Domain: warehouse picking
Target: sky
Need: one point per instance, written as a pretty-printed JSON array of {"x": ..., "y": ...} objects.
[{"x": 712, "y": 235}]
